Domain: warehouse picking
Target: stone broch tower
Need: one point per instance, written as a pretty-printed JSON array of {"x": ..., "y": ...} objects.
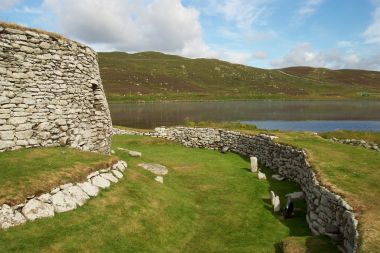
[{"x": 50, "y": 93}]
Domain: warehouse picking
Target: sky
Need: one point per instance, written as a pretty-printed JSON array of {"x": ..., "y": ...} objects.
[{"x": 335, "y": 34}]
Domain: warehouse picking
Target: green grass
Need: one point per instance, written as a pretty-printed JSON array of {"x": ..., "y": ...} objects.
[
  {"x": 209, "y": 202},
  {"x": 350, "y": 171},
  {"x": 152, "y": 76},
  {"x": 26, "y": 172},
  {"x": 306, "y": 244},
  {"x": 343, "y": 134}
]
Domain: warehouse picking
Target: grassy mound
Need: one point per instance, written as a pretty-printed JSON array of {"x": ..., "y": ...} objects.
[
  {"x": 26, "y": 172},
  {"x": 152, "y": 76},
  {"x": 209, "y": 202}
]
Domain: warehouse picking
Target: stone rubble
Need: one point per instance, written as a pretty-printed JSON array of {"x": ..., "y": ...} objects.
[
  {"x": 325, "y": 208},
  {"x": 64, "y": 198},
  {"x": 360, "y": 143}
]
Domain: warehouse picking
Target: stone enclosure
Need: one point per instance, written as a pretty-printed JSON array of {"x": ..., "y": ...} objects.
[
  {"x": 50, "y": 93},
  {"x": 328, "y": 213}
]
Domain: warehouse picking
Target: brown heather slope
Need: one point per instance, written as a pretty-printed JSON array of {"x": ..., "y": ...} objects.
[{"x": 150, "y": 76}]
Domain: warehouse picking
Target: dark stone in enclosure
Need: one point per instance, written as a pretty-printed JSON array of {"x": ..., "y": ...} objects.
[
  {"x": 225, "y": 150},
  {"x": 287, "y": 212}
]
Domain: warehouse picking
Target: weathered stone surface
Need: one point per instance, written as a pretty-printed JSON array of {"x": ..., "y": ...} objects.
[
  {"x": 89, "y": 188},
  {"x": 276, "y": 204},
  {"x": 63, "y": 202},
  {"x": 134, "y": 153},
  {"x": 45, "y": 98},
  {"x": 10, "y": 217},
  {"x": 110, "y": 177},
  {"x": 100, "y": 181},
  {"x": 254, "y": 166},
  {"x": 261, "y": 175},
  {"x": 77, "y": 194},
  {"x": 36, "y": 209},
  {"x": 159, "y": 179},
  {"x": 296, "y": 195},
  {"x": 117, "y": 174},
  {"x": 157, "y": 169},
  {"x": 272, "y": 195},
  {"x": 277, "y": 177}
]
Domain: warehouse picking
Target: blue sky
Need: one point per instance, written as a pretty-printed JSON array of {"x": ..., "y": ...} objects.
[{"x": 260, "y": 33}]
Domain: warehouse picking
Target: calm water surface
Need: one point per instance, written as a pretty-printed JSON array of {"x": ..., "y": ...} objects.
[{"x": 285, "y": 115}]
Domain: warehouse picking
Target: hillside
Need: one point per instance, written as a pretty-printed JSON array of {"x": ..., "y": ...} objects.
[{"x": 151, "y": 76}]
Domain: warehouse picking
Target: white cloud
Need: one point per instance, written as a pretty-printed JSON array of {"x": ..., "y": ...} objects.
[
  {"x": 7, "y": 4},
  {"x": 163, "y": 25},
  {"x": 344, "y": 44},
  {"x": 243, "y": 13},
  {"x": 372, "y": 33},
  {"x": 304, "y": 55},
  {"x": 134, "y": 25},
  {"x": 309, "y": 7}
]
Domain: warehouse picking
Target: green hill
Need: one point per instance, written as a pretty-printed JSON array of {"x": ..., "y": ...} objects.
[{"x": 150, "y": 76}]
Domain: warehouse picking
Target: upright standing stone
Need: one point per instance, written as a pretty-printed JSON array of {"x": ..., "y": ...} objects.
[
  {"x": 276, "y": 204},
  {"x": 272, "y": 195},
  {"x": 253, "y": 164}
]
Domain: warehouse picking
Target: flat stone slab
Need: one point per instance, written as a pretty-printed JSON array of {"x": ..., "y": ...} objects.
[
  {"x": 134, "y": 153},
  {"x": 277, "y": 177},
  {"x": 296, "y": 195},
  {"x": 36, "y": 209},
  {"x": 63, "y": 202},
  {"x": 77, "y": 194},
  {"x": 117, "y": 174},
  {"x": 157, "y": 169},
  {"x": 100, "y": 182},
  {"x": 90, "y": 189},
  {"x": 110, "y": 177}
]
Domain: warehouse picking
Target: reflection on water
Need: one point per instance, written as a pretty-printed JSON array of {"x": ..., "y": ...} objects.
[{"x": 149, "y": 115}]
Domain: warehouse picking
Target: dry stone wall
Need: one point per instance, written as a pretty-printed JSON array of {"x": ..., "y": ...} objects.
[
  {"x": 328, "y": 213},
  {"x": 50, "y": 93}
]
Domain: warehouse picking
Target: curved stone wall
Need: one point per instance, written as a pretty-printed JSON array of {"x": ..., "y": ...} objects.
[
  {"x": 50, "y": 93},
  {"x": 328, "y": 213}
]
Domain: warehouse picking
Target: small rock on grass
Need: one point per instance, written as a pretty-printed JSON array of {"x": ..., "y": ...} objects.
[
  {"x": 261, "y": 176},
  {"x": 117, "y": 174},
  {"x": 159, "y": 179},
  {"x": 157, "y": 169},
  {"x": 134, "y": 153}
]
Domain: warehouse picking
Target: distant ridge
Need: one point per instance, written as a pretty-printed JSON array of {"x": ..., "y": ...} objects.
[{"x": 151, "y": 76}]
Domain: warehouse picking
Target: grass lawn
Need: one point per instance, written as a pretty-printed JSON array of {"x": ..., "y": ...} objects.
[
  {"x": 209, "y": 202},
  {"x": 26, "y": 172},
  {"x": 352, "y": 172}
]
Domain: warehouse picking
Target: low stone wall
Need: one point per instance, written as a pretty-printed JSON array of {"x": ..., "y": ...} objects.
[
  {"x": 328, "y": 213},
  {"x": 359, "y": 143},
  {"x": 63, "y": 198}
]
